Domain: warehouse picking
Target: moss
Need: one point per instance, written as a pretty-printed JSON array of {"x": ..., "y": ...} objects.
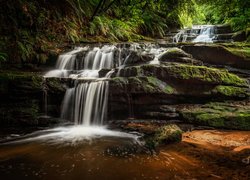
[
  {"x": 25, "y": 113},
  {"x": 134, "y": 80},
  {"x": 159, "y": 85},
  {"x": 55, "y": 85},
  {"x": 164, "y": 135},
  {"x": 205, "y": 74},
  {"x": 219, "y": 115},
  {"x": 240, "y": 51},
  {"x": 231, "y": 91}
]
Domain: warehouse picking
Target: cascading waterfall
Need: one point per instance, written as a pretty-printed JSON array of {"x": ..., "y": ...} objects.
[
  {"x": 86, "y": 102},
  {"x": 198, "y": 33},
  {"x": 206, "y": 34}
]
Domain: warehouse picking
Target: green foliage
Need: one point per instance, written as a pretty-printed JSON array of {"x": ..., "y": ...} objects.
[
  {"x": 234, "y": 12},
  {"x": 3, "y": 57},
  {"x": 33, "y": 27}
]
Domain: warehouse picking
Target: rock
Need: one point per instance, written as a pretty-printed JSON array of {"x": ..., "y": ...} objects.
[
  {"x": 22, "y": 95},
  {"x": 231, "y": 91},
  {"x": 159, "y": 115},
  {"x": 222, "y": 29},
  {"x": 131, "y": 57},
  {"x": 219, "y": 115},
  {"x": 146, "y": 89},
  {"x": 178, "y": 55},
  {"x": 186, "y": 60},
  {"x": 194, "y": 75},
  {"x": 173, "y": 53},
  {"x": 164, "y": 135},
  {"x": 139, "y": 85},
  {"x": 239, "y": 36},
  {"x": 237, "y": 56}
]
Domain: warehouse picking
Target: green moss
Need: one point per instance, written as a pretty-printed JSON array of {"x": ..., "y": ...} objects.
[
  {"x": 25, "y": 113},
  {"x": 55, "y": 85},
  {"x": 175, "y": 53},
  {"x": 203, "y": 73},
  {"x": 119, "y": 80},
  {"x": 162, "y": 86},
  {"x": 219, "y": 115},
  {"x": 165, "y": 135},
  {"x": 241, "y": 52},
  {"x": 134, "y": 80},
  {"x": 231, "y": 91}
]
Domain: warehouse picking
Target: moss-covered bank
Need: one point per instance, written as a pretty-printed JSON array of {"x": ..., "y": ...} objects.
[{"x": 219, "y": 115}]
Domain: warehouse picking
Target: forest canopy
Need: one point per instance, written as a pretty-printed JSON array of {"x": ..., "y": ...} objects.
[{"x": 30, "y": 27}]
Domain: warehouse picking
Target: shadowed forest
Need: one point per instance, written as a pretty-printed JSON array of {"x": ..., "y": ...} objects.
[{"x": 30, "y": 28}]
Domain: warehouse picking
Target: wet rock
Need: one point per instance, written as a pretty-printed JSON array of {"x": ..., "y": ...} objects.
[{"x": 130, "y": 57}]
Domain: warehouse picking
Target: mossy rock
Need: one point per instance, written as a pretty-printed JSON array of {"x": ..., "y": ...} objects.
[
  {"x": 195, "y": 74},
  {"x": 21, "y": 83},
  {"x": 231, "y": 91},
  {"x": 235, "y": 54},
  {"x": 139, "y": 84},
  {"x": 20, "y": 114},
  {"x": 219, "y": 115},
  {"x": 173, "y": 53},
  {"x": 179, "y": 56},
  {"x": 165, "y": 135},
  {"x": 55, "y": 85}
]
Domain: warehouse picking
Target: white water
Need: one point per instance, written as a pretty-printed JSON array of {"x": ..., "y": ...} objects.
[
  {"x": 200, "y": 33},
  {"x": 73, "y": 135},
  {"x": 90, "y": 103},
  {"x": 206, "y": 34},
  {"x": 86, "y": 102}
]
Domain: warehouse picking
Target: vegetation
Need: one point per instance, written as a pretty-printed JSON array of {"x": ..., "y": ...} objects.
[
  {"x": 30, "y": 28},
  {"x": 234, "y": 12}
]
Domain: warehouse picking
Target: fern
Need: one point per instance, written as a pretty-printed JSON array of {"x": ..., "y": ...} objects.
[{"x": 3, "y": 57}]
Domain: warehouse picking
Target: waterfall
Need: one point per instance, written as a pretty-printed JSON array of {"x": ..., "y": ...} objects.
[
  {"x": 198, "y": 33},
  {"x": 206, "y": 34},
  {"x": 86, "y": 103}
]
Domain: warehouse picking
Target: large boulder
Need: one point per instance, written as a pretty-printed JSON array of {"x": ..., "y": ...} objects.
[
  {"x": 131, "y": 57},
  {"x": 237, "y": 56},
  {"x": 177, "y": 55}
]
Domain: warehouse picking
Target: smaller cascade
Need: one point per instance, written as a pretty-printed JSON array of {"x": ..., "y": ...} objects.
[
  {"x": 67, "y": 61},
  {"x": 206, "y": 34},
  {"x": 198, "y": 33},
  {"x": 178, "y": 37}
]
